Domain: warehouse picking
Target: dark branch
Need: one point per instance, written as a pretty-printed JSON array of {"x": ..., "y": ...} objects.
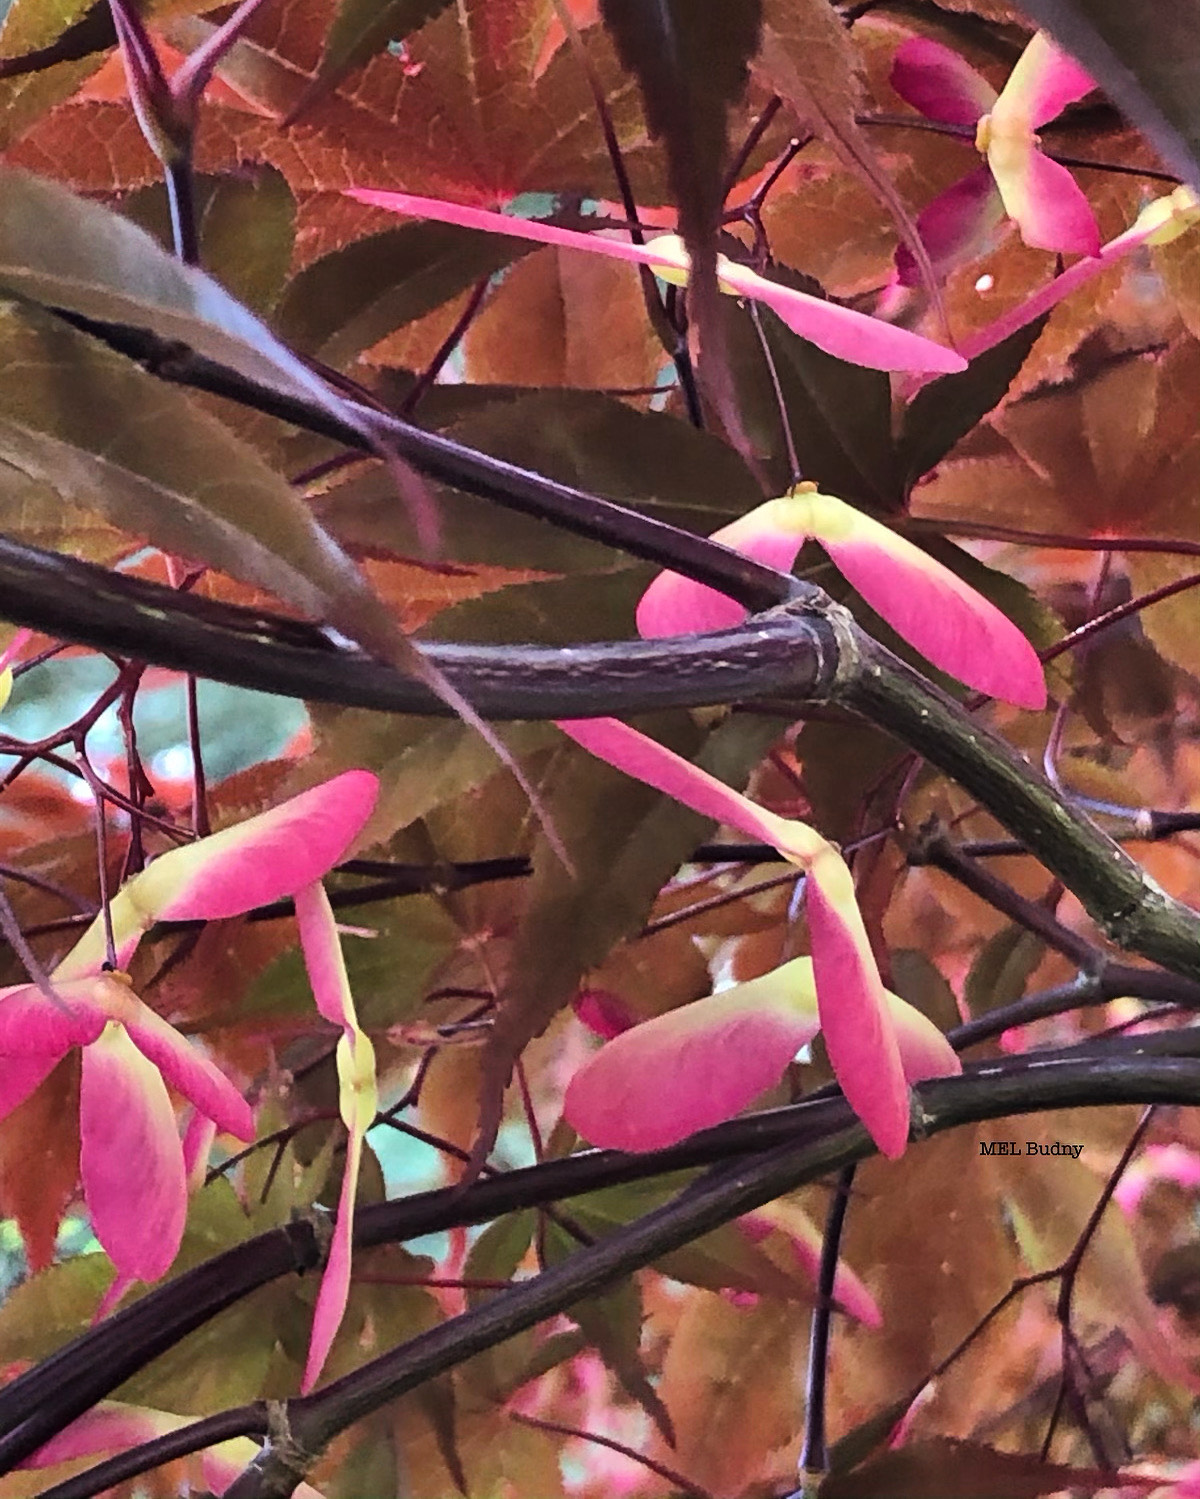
[
  {"x": 988, "y": 1091},
  {"x": 786, "y": 650},
  {"x": 39, "y": 1403}
]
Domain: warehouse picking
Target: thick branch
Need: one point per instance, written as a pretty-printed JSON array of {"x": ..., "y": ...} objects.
[
  {"x": 789, "y": 650},
  {"x": 1115, "y": 891}
]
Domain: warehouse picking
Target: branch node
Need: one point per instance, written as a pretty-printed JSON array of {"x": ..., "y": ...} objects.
[
  {"x": 849, "y": 663},
  {"x": 319, "y": 1223},
  {"x": 287, "y": 1449},
  {"x": 920, "y": 1123}
]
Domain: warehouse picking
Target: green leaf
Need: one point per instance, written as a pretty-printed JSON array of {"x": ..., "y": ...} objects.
[
  {"x": 1148, "y": 69},
  {"x": 943, "y": 1468},
  {"x": 723, "y": 1260},
  {"x": 422, "y": 764},
  {"x": 29, "y": 97},
  {"x": 90, "y": 423},
  {"x": 41, "y": 1313},
  {"x": 30, "y": 24},
  {"x": 247, "y": 226},
  {"x": 839, "y": 414},
  {"x": 917, "y": 979},
  {"x": 246, "y": 231},
  {"x": 350, "y": 299},
  {"x": 498, "y": 1250},
  {"x": 1001, "y": 972},
  {"x": 947, "y": 409},
  {"x": 389, "y": 974},
  {"x": 67, "y": 252}
]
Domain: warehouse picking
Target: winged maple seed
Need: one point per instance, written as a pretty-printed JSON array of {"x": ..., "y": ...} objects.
[
  {"x": 838, "y": 330},
  {"x": 1018, "y": 180},
  {"x": 722, "y": 1052},
  {"x": 132, "y": 1162},
  {"x": 924, "y": 602}
]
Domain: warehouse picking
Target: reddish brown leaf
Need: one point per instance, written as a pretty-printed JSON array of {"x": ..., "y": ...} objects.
[{"x": 39, "y": 1160}]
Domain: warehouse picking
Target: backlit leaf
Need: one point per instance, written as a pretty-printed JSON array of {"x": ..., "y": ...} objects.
[
  {"x": 350, "y": 299},
  {"x": 840, "y": 419},
  {"x": 948, "y": 408},
  {"x": 64, "y": 251}
]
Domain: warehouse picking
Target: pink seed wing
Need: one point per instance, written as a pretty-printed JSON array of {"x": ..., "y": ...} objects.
[
  {"x": 924, "y": 1050},
  {"x": 854, "y": 1017},
  {"x": 938, "y": 82},
  {"x": 198, "y": 1137},
  {"x": 960, "y": 224},
  {"x": 323, "y": 956},
  {"x": 30, "y": 1026},
  {"x": 1044, "y": 81},
  {"x": 647, "y": 760},
  {"x": 110, "y": 1427},
  {"x": 675, "y": 605},
  {"x": 928, "y": 605},
  {"x": 841, "y": 331},
  {"x": 358, "y": 1099},
  {"x": 604, "y": 1013},
  {"x": 684, "y": 1071},
  {"x": 1044, "y": 200},
  {"x": 190, "y": 1073},
  {"x": 260, "y": 860},
  {"x": 838, "y": 330},
  {"x": 131, "y": 1159},
  {"x": 335, "y": 1283},
  {"x": 806, "y": 1239},
  {"x": 666, "y": 251}
]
